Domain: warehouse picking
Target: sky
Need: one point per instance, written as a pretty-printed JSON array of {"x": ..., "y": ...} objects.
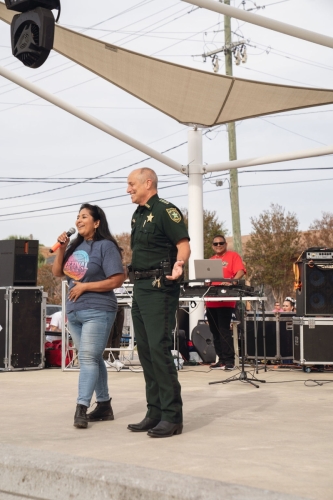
[{"x": 46, "y": 155}]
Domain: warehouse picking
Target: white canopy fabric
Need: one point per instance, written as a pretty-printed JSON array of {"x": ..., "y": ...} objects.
[{"x": 188, "y": 95}]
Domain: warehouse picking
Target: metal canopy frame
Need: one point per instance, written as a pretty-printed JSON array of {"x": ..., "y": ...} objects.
[{"x": 195, "y": 168}]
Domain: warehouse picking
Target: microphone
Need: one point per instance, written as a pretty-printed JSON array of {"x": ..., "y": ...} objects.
[{"x": 58, "y": 244}]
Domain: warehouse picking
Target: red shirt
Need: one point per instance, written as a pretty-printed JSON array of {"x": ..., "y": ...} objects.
[{"x": 231, "y": 263}]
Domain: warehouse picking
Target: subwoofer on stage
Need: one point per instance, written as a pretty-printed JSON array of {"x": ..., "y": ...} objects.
[
  {"x": 202, "y": 339},
  {"x": 278, "y": 334},
  {"x": 18, "y": 262},
  {"x": 315, "y": 281}
]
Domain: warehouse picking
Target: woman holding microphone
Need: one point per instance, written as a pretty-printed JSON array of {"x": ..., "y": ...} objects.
[{"x": 92, "y": 265}]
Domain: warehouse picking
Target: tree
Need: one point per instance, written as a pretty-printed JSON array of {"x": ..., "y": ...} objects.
[
  {"x": 51, "y": 284},
  {"x": 212, "y": 227},
  {"x": 320, "y": 232},
  {"x": 124, "y": 241},
  {"x": 272, "y": 249}
]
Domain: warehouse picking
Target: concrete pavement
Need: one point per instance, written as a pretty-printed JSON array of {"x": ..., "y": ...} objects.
[{"x": 238, "y": 442}]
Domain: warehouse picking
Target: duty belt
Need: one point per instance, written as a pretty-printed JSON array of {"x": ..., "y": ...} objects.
[{"x": 153, "y": 273}]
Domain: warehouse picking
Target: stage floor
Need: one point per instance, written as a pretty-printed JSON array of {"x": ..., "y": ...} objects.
[{"x": 276, "y": 438}]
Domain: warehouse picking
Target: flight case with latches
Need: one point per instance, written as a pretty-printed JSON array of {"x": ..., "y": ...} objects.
[
  {"x": 313, "y": 341},
  {"x": 22, "y": 328}
]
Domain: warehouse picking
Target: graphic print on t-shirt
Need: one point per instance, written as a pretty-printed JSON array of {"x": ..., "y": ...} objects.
[{"x": 77, "y": 265}]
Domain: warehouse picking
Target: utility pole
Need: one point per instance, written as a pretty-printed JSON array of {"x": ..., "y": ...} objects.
[{"x": 234, "y": 200}]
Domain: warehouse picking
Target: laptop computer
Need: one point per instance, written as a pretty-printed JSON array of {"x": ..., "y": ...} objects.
[{"x": 207, "y": 268}]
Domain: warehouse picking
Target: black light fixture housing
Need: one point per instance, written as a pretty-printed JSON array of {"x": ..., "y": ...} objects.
[
  {"x": 25, "y": 5},
  {"x": 32, "y": 31},
  {"x": 32, "y": 35}
]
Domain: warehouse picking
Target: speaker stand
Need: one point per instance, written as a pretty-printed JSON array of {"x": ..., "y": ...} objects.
[{"x": 243, "y": 376}]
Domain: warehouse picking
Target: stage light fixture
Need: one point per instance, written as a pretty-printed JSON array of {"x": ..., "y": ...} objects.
[
  {"x": 32, "y": 31},
  {"x": 25, "y": 5}
]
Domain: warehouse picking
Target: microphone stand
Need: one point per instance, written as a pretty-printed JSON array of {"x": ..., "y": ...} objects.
[{"x": 243, "y": 376}]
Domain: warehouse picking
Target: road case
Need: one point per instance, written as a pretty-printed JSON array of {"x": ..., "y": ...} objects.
[
  {"x": 22, "y": 327},
  {"x": 313, "y": 341},
  {"x": 278, "y": 334}
]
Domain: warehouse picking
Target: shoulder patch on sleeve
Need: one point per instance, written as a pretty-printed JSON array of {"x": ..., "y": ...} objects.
[
  {"x": 164, "y": 201},
  {"x": 174, "y": 214}
]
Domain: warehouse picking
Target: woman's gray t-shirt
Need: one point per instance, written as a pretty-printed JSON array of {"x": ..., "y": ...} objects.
[{"x": 93, "y": 261}]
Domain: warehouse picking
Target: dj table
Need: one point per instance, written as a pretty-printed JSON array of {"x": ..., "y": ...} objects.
[{"x": 230, "y": 291}]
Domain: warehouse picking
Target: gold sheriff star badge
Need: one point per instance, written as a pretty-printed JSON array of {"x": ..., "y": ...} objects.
[{"x": 150, "y": 217}]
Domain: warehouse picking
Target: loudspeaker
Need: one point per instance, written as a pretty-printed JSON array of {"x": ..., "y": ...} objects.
[
  {"x": 202, "y": 339},
  {"x": 18, "y": 262},
  {"x": 315, "y": 297}
]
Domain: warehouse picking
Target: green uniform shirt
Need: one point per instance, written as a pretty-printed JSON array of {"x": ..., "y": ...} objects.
[{"x": 157, "y": 227}]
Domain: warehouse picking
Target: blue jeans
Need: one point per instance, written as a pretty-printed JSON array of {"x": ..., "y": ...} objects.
[{"x": 90, "y": 330}]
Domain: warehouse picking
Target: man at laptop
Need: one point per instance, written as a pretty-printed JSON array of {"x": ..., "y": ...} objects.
[{"x": 219, "y": 313}]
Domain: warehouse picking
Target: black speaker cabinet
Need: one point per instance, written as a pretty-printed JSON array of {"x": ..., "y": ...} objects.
[
  {"x": 278, "y": 335},
  {"x": 202, "y": 339},
  {"x": 315, "y": 298},
  {"x": 22, "y": 328},
  {"x": 18, "y": 262},
  {"x": 313, "y": 341}
]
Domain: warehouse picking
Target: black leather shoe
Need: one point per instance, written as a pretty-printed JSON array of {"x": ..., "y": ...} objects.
[
  {"x": 103, "y": 411},
  {"x": 165, "y": 429},
  {"x": 80, "y": 417},
  {"x": 146, "y": 424}
]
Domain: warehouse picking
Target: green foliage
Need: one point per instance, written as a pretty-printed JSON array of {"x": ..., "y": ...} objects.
[
  {"x": 320, "y": 232},
  {"x": 212, "y": 227},
  {"x": 271, "y": 250},
  {"x": 15, "y": 237},
  {"x": 51, "y": 284}
]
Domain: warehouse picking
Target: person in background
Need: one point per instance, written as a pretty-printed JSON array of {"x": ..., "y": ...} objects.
[
  {"x": 277, "y": 307},
  {"x": 93, "y": 267},
  {"x": 289, "y": 305},
  {"x": 55, "y": 326},
  {"x": 219, "y": 314}
]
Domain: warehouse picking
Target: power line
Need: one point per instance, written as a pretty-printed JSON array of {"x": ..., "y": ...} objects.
[
  {"x": 96, "y": 177},
  {"x": 74, "y": 204},
  {"x": 292, "y": 132},
  {"x": 169, "y": 197}
]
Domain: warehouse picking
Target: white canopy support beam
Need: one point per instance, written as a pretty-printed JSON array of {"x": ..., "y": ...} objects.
[
  {"x": 264, "y": 22},
  {"x": 90, "y": 119},
  {"x": 264, "y": 160}
]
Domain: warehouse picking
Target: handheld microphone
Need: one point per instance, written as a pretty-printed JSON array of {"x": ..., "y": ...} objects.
[{"x": 58, "y": 244}]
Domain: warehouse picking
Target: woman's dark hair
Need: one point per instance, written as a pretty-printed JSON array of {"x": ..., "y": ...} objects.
[{"x": 102, "y": 231}]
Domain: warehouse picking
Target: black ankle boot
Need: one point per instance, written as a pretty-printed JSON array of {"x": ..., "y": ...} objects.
[
  {"x": 80, "y": 417},
  {"x": 103, "y": 411}
]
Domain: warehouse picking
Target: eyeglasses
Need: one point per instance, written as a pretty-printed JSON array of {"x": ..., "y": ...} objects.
[{"x": 219, "y": 243}]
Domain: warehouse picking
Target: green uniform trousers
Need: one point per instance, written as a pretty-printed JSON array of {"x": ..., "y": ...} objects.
[{"x": 153, "y": 313}]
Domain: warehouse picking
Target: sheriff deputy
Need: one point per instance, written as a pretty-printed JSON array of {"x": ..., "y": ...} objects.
[{"x": 160, "y": 245}]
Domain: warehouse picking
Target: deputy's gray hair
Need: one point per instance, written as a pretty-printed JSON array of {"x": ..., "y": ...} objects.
[{"x": 146, "y": 173}]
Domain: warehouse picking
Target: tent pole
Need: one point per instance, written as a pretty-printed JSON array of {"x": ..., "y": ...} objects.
[
  {"x": 195, "y": 210},
  {"x": 265, "y": 22}
]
